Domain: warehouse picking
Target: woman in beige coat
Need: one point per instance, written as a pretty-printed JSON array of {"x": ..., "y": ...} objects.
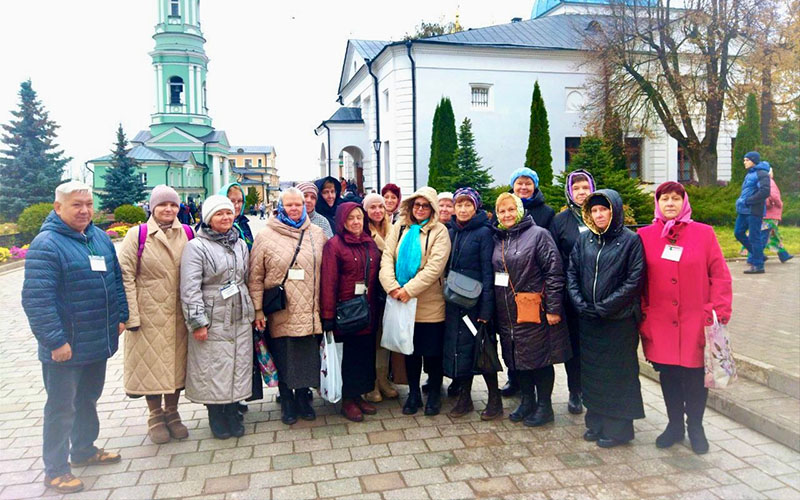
[
  {"x": 414, "y": 259},
  {"x": 292, "y": 331},
  {"x": 155, "y": 343}
]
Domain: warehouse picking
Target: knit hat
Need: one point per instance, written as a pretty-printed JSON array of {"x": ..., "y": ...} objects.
[
  {"x": 468, "y": 192},
  {"x": 524, "y": 172},
  {"x": 393, "y": 188},
  {"x": 445, "y": 195},
  {"x": 214, "y": 204},
  {"x": 598, "y": 199},
  {"x": 163, "y": 194},
  {"x": 372, "y": 198},
  {"x": 308, "y": 187},
  {"x": 754, "y": 156}
]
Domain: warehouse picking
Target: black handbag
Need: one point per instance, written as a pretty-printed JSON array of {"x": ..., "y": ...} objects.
[
  {"x": 274, "y": 299},
  {"x": 486, "y": 359},
  {"x": 352, "y": 315},
  {"x": 460, "y": 289}
]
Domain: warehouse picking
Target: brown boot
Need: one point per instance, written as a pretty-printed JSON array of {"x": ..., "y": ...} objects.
[
  {"x": 374, "y": 396},
  {"x": 494, "y": 407},
  {"x": 157, "y": 427},
  {"x": 382, "y": 375},
  {"x": 176, "y": 428},
  {"x": 464, "y": 404}
]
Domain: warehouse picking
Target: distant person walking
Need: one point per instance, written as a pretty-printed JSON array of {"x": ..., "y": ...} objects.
[
  {"x": 772, "y": 219},
  {"x": 750, "y": 209},
  {"x": 76, "y": 307}
]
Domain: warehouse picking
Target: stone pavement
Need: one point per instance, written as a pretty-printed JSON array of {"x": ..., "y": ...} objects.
[{"x": 388, "y": 456}]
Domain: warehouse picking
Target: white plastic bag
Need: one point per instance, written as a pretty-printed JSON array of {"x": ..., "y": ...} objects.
[
  {"x": 398, "y": 325},
  {"x": 720, "y": 367},
  {"x": 330, "y": 374}
]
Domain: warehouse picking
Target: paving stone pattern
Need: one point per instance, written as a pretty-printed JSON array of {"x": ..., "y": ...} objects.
[{"x": 388, "y": 456}]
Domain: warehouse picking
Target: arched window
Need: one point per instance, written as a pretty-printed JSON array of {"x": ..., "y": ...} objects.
[
  {"x": 174, "y": 8},
  {"x": 175, "y": 90}
]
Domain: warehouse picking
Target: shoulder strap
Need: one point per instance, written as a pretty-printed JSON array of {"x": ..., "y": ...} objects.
[
  {"x": 142, "y": 240},
  {"x": 188, "y": 230},
  {"x": 366, "y": 259},
  {"x": 503, "y": 254},
  {"x": 294, "y": 257}
]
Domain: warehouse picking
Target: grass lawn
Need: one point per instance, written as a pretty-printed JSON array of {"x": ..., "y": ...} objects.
[{"x": 730, "y": 247}]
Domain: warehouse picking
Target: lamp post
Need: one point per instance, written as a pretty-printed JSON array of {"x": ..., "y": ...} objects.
[{"x": 377, "y": 145}]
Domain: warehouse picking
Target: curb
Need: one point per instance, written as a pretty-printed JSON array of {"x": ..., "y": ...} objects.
[
  {"x": 8, "y": 268},
  {"x": 768, "y": 375}
]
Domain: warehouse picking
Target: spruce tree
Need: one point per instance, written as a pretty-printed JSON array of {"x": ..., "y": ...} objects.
[
  {"x": 32, "y": 166},
  {"x": 123, "y": 185},
  {"x": 469, "y": 172},
  {"x": 444, "y": 143},
  {"x": 614, "y": 139},
  {"x": 748, "y": 136},
  {"x": 539, "y": 156}
]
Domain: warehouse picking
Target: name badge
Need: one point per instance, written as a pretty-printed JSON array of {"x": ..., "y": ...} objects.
[
  {"x": 361, "y": 288},
  {"x": 672, "y": 252},
  {"x": 296, "y": 274},
  {"x": 470, "y": 325},
  {"x": 582, "y": 229},
  {"x": 97, "y": 263},
  {"x": 229, "y": 290},
  {"x": 501, "y": 279}
]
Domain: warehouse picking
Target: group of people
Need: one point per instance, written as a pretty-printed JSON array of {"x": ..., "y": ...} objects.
[{"x": 576, "y": 287}]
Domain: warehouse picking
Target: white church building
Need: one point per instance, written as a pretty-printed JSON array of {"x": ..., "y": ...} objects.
[{"x": 388, "y": 92}]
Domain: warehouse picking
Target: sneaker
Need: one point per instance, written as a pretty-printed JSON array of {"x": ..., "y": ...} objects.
[
  {"x": 754, "y": 270},
  {"x": 65, "y": 483},
  {"x": 101, "y": 457}
]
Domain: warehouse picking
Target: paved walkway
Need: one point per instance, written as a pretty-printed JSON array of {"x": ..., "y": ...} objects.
[{"x": 389, "y": 456}]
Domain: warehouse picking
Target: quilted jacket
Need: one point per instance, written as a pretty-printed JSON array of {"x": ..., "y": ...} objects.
[
  {"x": 272, "y": 253},
  {"x": 155, "y": 354},
  {"x": 219, "y": 370},
  {"x": 67, "y": 302}
]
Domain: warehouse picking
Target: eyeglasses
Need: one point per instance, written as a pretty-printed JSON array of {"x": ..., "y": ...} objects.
[{"x": 422, "y": 206}]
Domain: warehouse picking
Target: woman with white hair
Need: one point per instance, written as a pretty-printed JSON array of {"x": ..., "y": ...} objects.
[
  {"x": 285, "y": 263},
  {"x": 219, "y": 313}
]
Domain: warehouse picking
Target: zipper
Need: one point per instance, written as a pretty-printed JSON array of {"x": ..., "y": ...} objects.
[
  {"x": 596, "y": 268},
  {"x": 105, "y": 290}
]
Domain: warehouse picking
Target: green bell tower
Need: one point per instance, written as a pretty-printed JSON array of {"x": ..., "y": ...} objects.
[{"x": 180, "y": 65}]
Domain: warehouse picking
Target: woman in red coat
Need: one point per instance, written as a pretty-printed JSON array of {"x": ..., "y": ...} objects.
[
  {"x": 687, "y": 279},
  {"x": 347, "y": 259}
]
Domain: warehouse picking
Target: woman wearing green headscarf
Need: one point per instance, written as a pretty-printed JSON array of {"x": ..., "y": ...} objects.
[
  {"x": 414, "y": 259},
  {"x": 235, "y": 192},
  {"x": 529, "y": 291}
]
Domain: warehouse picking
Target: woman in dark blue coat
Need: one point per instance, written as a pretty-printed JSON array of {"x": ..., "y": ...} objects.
[{"x": 472, "y": 241}]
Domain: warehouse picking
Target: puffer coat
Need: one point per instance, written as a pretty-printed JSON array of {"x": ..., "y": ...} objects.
[
  {"x": 155, "y": 354},
  {"x": 427, "y": 285},
  {"x": 755, "y": 191},
  {"x": 272, "y": 253},
  {"x": 471, "y": 255},
  {"x": 529, "y": 255},
  {"x": 344, "y": 264},
  {"x": 65, "y": 301},
  {"x": 219, "y": 370}
]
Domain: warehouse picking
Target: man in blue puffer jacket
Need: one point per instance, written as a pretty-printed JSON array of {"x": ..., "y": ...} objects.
[
  {"x": 750, "y": 208},
  {"x": 76, "y": 308}
]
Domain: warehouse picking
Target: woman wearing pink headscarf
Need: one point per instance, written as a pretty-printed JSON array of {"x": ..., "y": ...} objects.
[{"x": 687, "y": 280}]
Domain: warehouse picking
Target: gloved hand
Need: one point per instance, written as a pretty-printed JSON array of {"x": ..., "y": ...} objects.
[{"x": 328, "y": 325}]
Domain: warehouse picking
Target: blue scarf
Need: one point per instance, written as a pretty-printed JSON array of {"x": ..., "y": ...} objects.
[
  {"x": 284, "y": 217},
  {"x": 409, "y": 256}
]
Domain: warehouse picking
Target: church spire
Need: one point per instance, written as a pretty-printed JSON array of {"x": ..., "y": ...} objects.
[{"x": 180, "y": 65}]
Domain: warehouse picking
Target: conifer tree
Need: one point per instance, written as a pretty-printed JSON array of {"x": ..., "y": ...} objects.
[
  {"x": 539, "y": 155},
  {"x": 123, "y": 185},
  {"x": 32, "y": 166},
  {"x": 614, "y": 139},
  {"x": 444, "y": 143},
  {"x": 469, "y": 172},
  {"x": 748, "y": 136}
]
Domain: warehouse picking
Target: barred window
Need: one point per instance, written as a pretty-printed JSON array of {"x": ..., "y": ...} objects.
[{"x": 480, "y": 97}]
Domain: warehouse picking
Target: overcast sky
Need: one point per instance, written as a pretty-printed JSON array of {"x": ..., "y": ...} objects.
[{"x": 272, "y": 78}]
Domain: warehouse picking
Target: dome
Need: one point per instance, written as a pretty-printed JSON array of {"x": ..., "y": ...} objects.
[{"x": 542, "y": 7}]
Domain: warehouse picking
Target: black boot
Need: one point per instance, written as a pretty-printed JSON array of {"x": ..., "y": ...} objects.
[
  {"x": 288, "y": 410},
  {"x": 575, "y": 403},
  {"x": 512, "y": 386},
  {"x": 303, "y": 402},
  {"x": 542, "y": 415},
  {"x": 527, "y": 405},
  {"x": 413, "y": 402},
  {"x": 234, "y": 420},
  {"x": 217, "y": 421},
  {"x": 672, "y": 390},
  {"x": 697, "y": 437},
  {"x": 454, "y": 389},
  {"x": 434, "y": 403}
]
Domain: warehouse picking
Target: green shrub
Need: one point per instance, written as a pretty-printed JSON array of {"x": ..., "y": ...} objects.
[
  {"x": 101, "y": 217},
  {"x": 130, "y": 214},
  {"x": 791, "y": 210},
  {"x": 714, "y": 205},
  {"x": 31, "y": 219}
]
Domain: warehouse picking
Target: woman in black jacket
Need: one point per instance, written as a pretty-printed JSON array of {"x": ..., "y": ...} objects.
[
  {"x": 567, "y": 226},
  {"x": 605, "y": 279},
  {"x": 471, "y": 256}
]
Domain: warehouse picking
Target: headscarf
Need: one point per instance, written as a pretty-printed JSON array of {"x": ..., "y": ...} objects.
[
  {"x": 470, "y": 193},
  {"x": 517, "y": 201},
  {"x": 284, "y": 217},
  {"x": 524, "y": 172},
  {"x": 672, "y": 226},
  {"x": 322, "y": 207}
]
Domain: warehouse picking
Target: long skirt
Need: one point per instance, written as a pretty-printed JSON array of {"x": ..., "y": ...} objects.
[
  {"x": 297, "y": 360},
  {"x": 358, "y": 366},
  {"x": 610, "y": 367}
]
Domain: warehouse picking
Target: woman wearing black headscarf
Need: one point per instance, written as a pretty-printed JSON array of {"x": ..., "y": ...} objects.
[{"x": 329, "y": 199}]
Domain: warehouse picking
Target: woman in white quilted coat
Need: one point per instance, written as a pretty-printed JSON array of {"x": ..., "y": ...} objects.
[
  {"x": 219, "y": 313},
  {"x": 155, "y": 342}
]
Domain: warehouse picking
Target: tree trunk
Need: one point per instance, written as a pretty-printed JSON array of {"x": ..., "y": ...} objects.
[
  {"x": 766, "y": 104},
  {"x": 704, "y": 163}
]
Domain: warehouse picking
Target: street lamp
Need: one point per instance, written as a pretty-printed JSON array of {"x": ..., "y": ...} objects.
[{"x": 377, "y": 145}]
